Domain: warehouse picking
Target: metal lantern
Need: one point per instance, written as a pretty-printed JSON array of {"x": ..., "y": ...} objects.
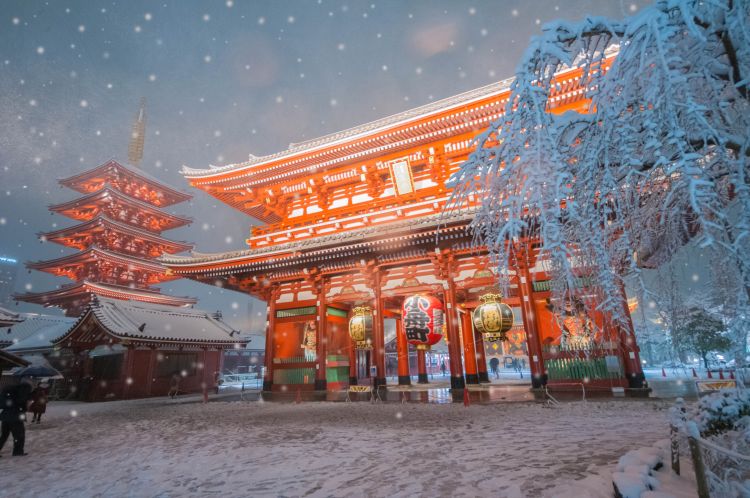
[
  {"x": 493, "y": 318},
  {"x": 360, "y": 327},
  {"x": 424, "y": 320}
]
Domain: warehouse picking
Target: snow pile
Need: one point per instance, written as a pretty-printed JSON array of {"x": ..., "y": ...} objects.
[
  {"x": 634, "y": 471},
  {"x": 722, "y": 411}
]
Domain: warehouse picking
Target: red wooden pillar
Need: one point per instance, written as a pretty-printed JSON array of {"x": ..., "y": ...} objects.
[
  {"x": 151, "y": 372},
  {"x": 454, "y": 343},
  {"x": 533, "y": 339},
  {"x": 481, "y": 357},
  {"x": 421, "y": 366},
  {"x": 629, "y": 348},
  {"x": 378, "y": 333},
  {"x": 321, "y": 357},
  {"x": 470, "y": 354},
  {"x": 268, "y": 376},
  {"x": 402, "y": 349}
]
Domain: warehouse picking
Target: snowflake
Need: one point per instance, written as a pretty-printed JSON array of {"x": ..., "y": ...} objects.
[
  {"x": 40, "y": 50},
  {"x": 137, "y": 28},
  {"x": 81, "y": 28},
  {"x": 84, "y": 103},
  {"x": 147, "y": 16},
  {"x": 206, "y": 17}
]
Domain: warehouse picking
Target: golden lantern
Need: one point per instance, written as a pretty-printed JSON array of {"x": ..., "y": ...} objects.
[
  {"x": 493, "y": 318},
  {"x": 360, "y": 327}
]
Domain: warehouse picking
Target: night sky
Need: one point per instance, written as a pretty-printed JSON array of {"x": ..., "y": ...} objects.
[{"x": 222, "y": 80}]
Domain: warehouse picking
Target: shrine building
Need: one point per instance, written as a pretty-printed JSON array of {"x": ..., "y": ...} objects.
[{"x": 356, "y": 240}]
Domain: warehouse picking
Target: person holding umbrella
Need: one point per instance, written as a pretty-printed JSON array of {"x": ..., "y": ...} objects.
[
  {"x": 38, "y": 402},
  {"x": 14, "y": 401}
]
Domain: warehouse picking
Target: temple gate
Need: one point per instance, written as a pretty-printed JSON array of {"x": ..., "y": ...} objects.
[{"x": 356, "y": 220}]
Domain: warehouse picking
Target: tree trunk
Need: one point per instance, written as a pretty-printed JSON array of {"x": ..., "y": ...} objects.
[{"x": 705, "y": 360}]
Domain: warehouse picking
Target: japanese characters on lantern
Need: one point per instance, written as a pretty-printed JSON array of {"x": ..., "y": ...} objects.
[
  {"x": 423, "y": 318},
  {"x": 493, "y": 318},
  {"x": 360, "y": 327}
]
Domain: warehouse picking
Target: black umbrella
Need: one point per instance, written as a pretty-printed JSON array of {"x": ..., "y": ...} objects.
[{"x": 38, "y": 371}]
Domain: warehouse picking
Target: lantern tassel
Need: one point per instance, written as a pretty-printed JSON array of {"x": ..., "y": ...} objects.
[
  {"x": 663, "y": 372},
  {"x": 467, "y": 400}
]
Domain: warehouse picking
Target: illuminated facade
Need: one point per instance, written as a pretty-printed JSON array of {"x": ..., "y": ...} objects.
[
  {"x": 357, "y": 218},
  {"x": 121, "y": 214}
]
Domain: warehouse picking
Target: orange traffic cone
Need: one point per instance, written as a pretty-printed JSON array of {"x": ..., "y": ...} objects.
[
  {"x": 721, "y": 373},
  {"x": 298, "y": 400},
  {"x": 709, "y": 374},
  {"x": 663, "y": 372},
  {"x": 467, "y": 400},
  {"x": 694, "y": 374}
]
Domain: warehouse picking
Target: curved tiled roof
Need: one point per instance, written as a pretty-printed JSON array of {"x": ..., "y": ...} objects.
[
  {"x": 336, "y": 240},
  {"x": 156, "y": 323},
  {"x": 34, "y": 324},
  {"x": 141, "y": 174},
  {"x": 365, "y": 129},
  {"x": 43, "y": 337}
]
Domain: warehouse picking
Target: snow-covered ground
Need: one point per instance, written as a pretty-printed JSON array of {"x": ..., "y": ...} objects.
[{"x": 159, "y": 448}]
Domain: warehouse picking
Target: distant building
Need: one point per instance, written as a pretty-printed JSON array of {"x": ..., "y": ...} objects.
[{"x": 8, "y": 273}]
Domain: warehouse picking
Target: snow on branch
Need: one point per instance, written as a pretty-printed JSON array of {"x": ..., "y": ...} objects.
[{"x": 659, "y": 157}]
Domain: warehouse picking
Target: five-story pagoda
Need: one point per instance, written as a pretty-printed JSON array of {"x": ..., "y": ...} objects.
[{"x": 121, "y": 214}]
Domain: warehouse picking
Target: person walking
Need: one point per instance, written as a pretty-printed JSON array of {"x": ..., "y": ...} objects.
[
  {"x": 442, "y": 367},
  {"x": 15, "y": 401},
  {"x": 38, "y": 402},
  {"x": 174, "y": 385},
  {"x": 495, "y": 367}
]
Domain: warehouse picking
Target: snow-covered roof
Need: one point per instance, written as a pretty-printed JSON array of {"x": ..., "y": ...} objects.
[
  {"x": 34, "y": 325},
  {"x": 366, "y": 129},
  {"x": 156, "y": 323},
  {"x": 42, "y": 338},
  {"x": 7, "y": 316},
  {"x": 139, "y": 173}
]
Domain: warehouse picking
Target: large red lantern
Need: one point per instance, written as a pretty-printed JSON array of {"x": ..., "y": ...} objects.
[{"x": 424, "y": 320}]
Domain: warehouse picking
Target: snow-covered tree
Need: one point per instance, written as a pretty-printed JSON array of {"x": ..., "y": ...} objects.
[{"x": 661, "y": 158}]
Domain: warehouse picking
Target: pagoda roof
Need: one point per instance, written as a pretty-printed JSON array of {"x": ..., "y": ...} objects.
[
  {"x": 104, "y": 221},
  {"x": 85, "y": 289},
  {"x": 33, "y": 324},
  {"x": 94, "y": 253},
  {"x": 321, "y": 248},
  {"x": 94, "y": 178},
  {"x": 105, "y": 193},
  {"x": 140, "y": 322}
]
